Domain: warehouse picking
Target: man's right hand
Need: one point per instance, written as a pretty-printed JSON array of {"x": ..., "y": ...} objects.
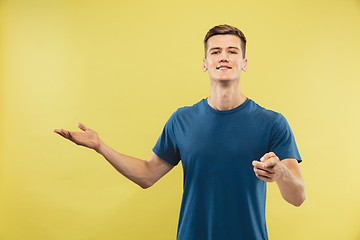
[{"x": 87, "y": 138}]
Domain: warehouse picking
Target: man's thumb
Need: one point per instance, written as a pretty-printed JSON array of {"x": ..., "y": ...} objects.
[{"x": 82, "y": 126}]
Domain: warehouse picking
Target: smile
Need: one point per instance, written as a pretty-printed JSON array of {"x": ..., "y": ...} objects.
[{"x": 223, "y": 67}]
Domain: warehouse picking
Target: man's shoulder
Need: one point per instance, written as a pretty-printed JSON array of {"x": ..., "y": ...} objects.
[
  {"x": 264, "y": 114},
  {"x": 190, "y": 109},
  {"x": 255, "y": 108}
]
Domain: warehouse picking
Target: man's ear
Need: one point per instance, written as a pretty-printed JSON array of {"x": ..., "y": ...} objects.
[
  {"x": 204, "y": 67},
  {"x": 245, "y": 65}
]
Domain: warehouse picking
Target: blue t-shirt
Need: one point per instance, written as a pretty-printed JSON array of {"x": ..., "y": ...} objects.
[{"x": 222, "y": 197}]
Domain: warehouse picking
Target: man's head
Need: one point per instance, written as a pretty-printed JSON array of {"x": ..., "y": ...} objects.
[
  {"x": 225, "y": 30},
  {"x": 224, "y": 53}
]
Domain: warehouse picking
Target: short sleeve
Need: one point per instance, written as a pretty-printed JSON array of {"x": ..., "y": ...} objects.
[
  {"x": 166, "y": 146},
  {"x": 282, "y": 140}
]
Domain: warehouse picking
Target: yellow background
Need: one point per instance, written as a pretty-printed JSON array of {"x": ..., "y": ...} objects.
[{"x": 122, "y": 68}]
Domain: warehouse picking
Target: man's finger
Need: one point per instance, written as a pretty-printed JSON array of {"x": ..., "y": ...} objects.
[
  {"x": 260, "y": 166},
  {"x": 263, "y": 174},
  {"x": 82, "y": 127},
  {"x": 272, "y": 162},
  {"x": 255, "y": 163},
  {"x": 61, "y": 132},
  {"x": 65, "y": 134},
  {"x": 58, "y": 131},
  {"x": 267, "y": 156}
]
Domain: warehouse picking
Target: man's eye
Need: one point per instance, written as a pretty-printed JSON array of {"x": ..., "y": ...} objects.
[
  {"x": 216, "y": 52},
  {"x": 233, "y": 52}
]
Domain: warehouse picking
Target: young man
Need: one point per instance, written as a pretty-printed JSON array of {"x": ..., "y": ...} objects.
[{"x": 218, "y": 141}]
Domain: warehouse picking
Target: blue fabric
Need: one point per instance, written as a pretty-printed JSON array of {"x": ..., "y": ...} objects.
[{"x": 222, "y": 198}]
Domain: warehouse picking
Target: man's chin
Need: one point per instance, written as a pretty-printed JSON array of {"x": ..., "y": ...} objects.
[{"x": 226, "y": 80}]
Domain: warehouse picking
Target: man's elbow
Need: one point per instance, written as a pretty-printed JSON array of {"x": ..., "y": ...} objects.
[
  {"x": 299, "y": 201},
  {"x": 145, "y": 184}
]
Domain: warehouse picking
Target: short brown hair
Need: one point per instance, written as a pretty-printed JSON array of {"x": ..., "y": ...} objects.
[{"x": 224, "y": 30}]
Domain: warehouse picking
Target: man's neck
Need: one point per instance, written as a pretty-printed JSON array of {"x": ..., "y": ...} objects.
[{"x": 225, "y": 95}]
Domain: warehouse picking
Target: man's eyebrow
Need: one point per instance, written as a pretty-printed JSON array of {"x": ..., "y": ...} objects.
[
  {"x": 214, "y": 48},
  {"x": 218, "y": 48}
]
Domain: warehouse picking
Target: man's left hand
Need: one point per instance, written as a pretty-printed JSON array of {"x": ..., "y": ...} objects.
[{"x": 269, "y": 168}]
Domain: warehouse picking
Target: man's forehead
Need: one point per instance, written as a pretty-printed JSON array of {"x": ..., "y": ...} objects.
[{"x": 224, "y": 41}]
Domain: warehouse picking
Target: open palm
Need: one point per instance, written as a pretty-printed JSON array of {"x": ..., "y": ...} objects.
[{"x": 87, "y": 138}]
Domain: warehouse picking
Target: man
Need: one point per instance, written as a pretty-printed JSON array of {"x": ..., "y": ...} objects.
[{"x": 218, "y": 141}]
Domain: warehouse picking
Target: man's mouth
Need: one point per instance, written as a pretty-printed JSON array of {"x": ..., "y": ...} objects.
[{"x": 222, "y": 67}]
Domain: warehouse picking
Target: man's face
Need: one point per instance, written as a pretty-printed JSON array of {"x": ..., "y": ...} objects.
[{"x": 223, "y": 58}]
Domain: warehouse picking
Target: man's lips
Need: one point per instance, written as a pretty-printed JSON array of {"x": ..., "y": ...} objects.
[{"x": 223, "y": 67}]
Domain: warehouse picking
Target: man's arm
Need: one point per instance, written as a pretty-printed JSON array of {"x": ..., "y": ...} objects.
[
  {"x": 287, "y": 175},
  {"x": 143, "y": 173}
]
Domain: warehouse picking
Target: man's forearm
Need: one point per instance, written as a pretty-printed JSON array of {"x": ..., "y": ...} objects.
[
  {"x": 292, "y": 187},
  {"x": 132, "y": 168},
  {"x": 143, "y": 173}
]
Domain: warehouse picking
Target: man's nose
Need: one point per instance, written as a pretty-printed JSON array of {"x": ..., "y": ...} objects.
[{"x": 224, "y": 57}]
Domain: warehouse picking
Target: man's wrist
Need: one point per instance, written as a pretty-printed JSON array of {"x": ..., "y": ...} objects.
[
  {"x": 99, "y": 147},
  {"x": 284, "y": 173}
]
